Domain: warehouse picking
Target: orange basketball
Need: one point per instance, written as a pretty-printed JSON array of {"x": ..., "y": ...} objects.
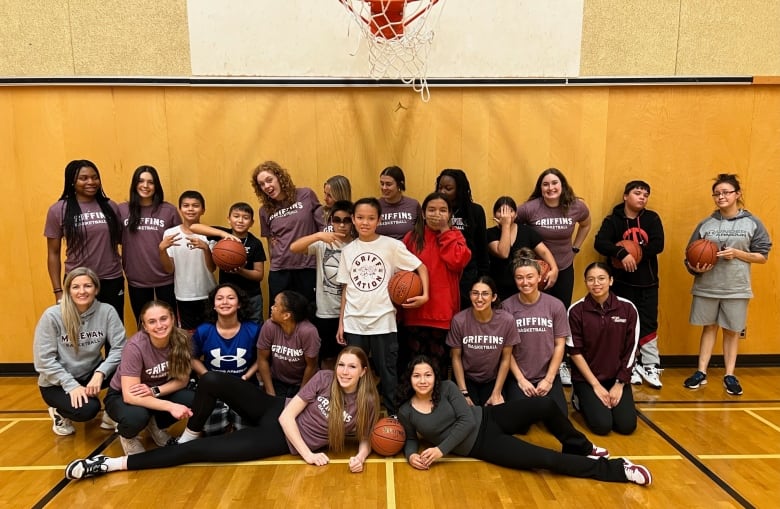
[
  {"x": 404, "y": 285},
  {"x": 388, "y": 437},
  {"x": 702, "y": 251},
  {"x": 633, "y": 249},
  {"x": 229, "y": 254},
  {"x": 545, "y": 267}
]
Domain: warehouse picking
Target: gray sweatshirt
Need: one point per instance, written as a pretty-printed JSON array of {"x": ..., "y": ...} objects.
[
  {"x": 55, "y": 360},
  {"x": 730, "y": 278}
]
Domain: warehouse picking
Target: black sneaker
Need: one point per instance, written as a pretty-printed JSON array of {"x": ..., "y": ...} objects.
[
  {"x": 89, "y": 467},
  {"x": 696, "y": 380},
  {"x": 732, "y": 386}
]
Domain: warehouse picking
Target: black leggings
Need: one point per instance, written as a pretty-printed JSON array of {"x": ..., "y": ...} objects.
[
  {"x": 497, "y": 444},
  {"x": 262, "y": 439}
]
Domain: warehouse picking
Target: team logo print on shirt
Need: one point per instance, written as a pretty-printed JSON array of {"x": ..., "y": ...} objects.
[
  {"x": 367, "y": 272},
  {"x": 219, "y": 359}
]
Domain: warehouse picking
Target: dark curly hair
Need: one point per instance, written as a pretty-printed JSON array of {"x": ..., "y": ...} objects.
[
  {"x": 404, "y": 392},
  {"x": 243, "y": 303}
]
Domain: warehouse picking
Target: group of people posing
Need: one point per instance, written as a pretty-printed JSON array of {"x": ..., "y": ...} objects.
[{"x": 495, "y": 312}]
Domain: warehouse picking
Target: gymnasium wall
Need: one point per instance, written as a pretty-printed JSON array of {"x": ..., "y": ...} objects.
[{"x": 675, "y": 137}]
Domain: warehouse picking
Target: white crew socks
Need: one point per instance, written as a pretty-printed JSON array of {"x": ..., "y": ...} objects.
[
  {"x": 115, "y": 464},
  {"x": 188, "y": 436}
]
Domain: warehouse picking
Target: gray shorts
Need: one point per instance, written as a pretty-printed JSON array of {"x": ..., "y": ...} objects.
[{"x": 729, "y": 314}]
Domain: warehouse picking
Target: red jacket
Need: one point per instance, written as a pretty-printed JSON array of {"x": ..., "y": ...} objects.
[{"x": 445, "y": 255}]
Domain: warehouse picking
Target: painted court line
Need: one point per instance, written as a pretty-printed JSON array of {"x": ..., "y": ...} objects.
[
  {"x": 759, "y": 418},
  {"x": 721, "y": 409},
  {"x": 390, "y": 484}
]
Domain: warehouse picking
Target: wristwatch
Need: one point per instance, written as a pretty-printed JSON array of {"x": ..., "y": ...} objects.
[
  {"x": 575, "y": 249},
  {"x": 156, "y": 391}
]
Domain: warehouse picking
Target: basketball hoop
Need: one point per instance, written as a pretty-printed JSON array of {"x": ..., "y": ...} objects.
[{"x": 399, "y": 38}]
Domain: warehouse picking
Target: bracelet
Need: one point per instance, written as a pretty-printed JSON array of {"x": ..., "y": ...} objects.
[
  {"x": 58, "y": 290},
  {"x": 575, "y": 249},
  {"x": 465, "y": 393}
]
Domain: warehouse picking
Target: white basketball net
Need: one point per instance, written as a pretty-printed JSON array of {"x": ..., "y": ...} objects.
[{"x": 399, "y": 35}]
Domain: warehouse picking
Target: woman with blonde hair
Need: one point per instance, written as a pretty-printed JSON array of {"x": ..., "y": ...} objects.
[
  {"x": 67, "y": 351},
  {"x": 336, "y": 188},
  {"x": 150, "y": 390},
  {"x": 327, "y": 409}
]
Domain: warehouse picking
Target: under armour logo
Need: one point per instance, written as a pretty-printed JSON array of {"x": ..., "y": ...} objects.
[{"x": 218, "y": 359}]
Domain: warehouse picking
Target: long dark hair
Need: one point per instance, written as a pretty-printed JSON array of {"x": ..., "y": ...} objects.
[
  {"x": 134, "y": 221},
  {"x": 489, "y": 281},
  {"x": 75, "y": 231},
  {"x": 243, "y": 303},
  {"x": 297, "y": 305},
  {"x": 405, "y": 391},
  {"x": 418, "y": 233},
  {"x": 567, "y": 193},
  {"x": 464, "y": 202}
]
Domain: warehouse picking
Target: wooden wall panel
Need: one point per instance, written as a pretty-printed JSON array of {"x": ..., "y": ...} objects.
[{"x": 677, "y": 138}]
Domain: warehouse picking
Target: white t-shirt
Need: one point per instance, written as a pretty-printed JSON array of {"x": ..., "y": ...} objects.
[
  {"x": 328, "y": 292},
  {"x": 191, "y": 278},
  {"x": 365, "y": 269}
]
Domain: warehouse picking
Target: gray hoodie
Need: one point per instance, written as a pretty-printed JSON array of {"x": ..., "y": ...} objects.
[
  {"x": 55, "y": 360},
  {"x": 730, "y": 279}
]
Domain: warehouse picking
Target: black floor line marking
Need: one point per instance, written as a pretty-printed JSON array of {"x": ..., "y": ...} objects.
[
  {"x": 64, "y": 482},
  {"x": 697, "y": 463}
]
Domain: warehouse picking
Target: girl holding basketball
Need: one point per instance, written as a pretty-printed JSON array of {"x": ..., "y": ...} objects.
[
  {"x": 543, "y": 327},
  {"x": 287, "y": 213},
  {"x": 144, "y": 218},
  {"x": 329, "y": 407},
  {"x": 433, "y": 409},
  {"x": 399, "y": 212},
  {"x": 66, "y": 351},
  {"x": 603, "y": 342},
  {"x": 288, "y": 346},
  {"x": 444, "y": 252},
  {"x": 469, "y": 218},
  {"x": 721, "y": 291},
  {"x": 367, "y": 317},
  {"x": 481, "y": 340},
  {"x": 89, "y": 222}
]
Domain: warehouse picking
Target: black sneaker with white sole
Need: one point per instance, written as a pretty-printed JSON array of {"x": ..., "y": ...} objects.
[{"x": 88, "y": 467}]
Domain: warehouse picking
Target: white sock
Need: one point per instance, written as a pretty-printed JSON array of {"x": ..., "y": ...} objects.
[
  {"x": 115, "y": 464},
  {"x": 188, "y": 436}
]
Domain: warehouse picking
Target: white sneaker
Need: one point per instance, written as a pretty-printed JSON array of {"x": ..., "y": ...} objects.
[
  {"x": 106, "y": 422},
  {"x": 598, "y": 452},
  {"x": 132, "y": 445},
  {"x": 638, "y": 474},
  {"x": 651, "y": 375},
  {"x": 565, "y": 374},
  {"x": 60, "y": 425},
  {"x": 160, "y": 437},
  {"x": 636, "y": 378}
]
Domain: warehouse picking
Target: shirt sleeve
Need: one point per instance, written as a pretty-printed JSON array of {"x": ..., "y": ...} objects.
[{"x": 117, "y": 337}]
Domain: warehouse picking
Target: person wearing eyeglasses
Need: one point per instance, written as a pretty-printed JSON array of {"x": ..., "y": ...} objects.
[
  {"x": 481, "y": 339},
  {"x": 721, "y": 292},
  {"x": 602, "y": 345}
]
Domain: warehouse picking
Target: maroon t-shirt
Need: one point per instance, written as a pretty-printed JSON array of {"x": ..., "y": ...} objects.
[
  {"x": 288, "y": 224},
  {"x": 481, "y": 344},
  {"x": 98, "y": 254},
  {"x": 313, "y": 420},
  {"x": 140, "y": 358},
  {"x": 288, "y": 353},
  {"x": 140, "y": 249},
  {"x": 398, "y": 218}
]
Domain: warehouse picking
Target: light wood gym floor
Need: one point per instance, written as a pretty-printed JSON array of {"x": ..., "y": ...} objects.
[{"x": 704, "y": 448}]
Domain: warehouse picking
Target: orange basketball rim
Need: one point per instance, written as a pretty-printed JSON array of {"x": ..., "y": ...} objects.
[{"x": 387, "y": 16}]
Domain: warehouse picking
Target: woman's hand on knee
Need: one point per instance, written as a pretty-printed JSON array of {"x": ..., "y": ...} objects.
[{"x": 78, "y": 397}]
